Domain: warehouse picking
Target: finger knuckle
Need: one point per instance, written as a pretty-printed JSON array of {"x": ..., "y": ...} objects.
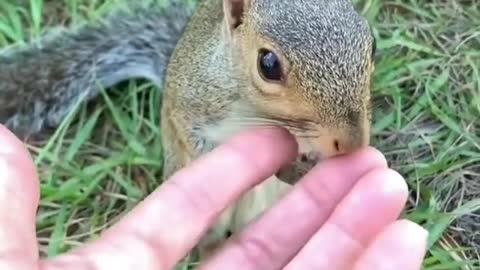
[
  {"x": 255, "y": 252},
  {"x": 198, "y": 200}
]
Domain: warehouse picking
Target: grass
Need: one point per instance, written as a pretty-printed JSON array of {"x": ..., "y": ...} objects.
[{"x": 107, "y": 156}]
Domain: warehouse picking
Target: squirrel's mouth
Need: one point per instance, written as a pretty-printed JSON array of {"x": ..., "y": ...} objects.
[
  {"x": 295, "y": 170},
  {"x": 314, "y": 150}
]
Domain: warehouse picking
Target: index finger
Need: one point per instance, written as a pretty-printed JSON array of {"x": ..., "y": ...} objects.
[{"x": 167, "y": 225}]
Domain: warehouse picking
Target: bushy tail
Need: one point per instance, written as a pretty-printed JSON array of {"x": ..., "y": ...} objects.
[{"x": 41, "y": 83}]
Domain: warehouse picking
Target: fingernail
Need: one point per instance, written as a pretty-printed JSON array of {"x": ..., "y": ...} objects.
[
  {"x": 414, "y": 233},
  {"x": 394, "y": 183}
]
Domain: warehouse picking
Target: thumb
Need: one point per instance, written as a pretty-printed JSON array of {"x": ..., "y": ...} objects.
[{"x": 19, "y": 196}]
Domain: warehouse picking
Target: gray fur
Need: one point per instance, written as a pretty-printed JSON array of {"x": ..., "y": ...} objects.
[{"x": 41, "y": 83}]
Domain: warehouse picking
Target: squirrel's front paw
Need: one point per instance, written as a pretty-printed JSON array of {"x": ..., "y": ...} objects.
[{"x": 294, "y": 171}]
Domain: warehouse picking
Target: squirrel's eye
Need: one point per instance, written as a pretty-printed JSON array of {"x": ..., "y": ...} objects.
[{"x": 269, "y": 65}]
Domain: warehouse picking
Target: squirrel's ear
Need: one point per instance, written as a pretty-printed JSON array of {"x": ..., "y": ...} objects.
[{"x": 234, "y": 10}]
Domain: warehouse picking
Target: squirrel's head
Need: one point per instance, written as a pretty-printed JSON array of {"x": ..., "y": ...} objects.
[{"x": 308, "y": 66}]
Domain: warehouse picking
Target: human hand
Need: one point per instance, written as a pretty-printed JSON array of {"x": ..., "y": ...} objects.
[{"x": 342, "y": 215}]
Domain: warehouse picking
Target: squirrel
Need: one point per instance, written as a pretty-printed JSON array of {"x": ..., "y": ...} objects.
[{"x": 223, "y": 66}]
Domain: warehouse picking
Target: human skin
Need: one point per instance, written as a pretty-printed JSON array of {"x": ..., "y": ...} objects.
[{"x": 333, "y": 218}]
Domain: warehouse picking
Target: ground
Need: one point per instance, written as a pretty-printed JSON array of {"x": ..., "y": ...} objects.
[{"x": 427, "y": 105}]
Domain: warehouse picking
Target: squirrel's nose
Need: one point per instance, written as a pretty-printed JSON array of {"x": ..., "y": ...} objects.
[{"x": 348, "y": 144}]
